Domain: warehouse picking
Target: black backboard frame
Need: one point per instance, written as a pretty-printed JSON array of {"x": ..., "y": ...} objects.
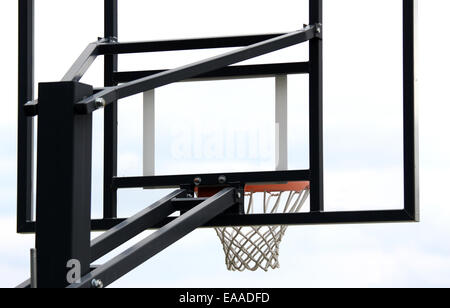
[{"x": 64, "y": 153}]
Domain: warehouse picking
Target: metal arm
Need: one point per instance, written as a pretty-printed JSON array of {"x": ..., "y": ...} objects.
[
  {"x": 184, "y": 44},
  {"x": 84, "y": 61},
  {"x": 75, "y": 73},
  {"x": 105, "y": 97},
  {"x": 130, "y": 259}
]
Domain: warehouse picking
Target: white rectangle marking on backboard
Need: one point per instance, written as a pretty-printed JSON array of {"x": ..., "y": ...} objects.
[
  {"x": 149, "y": 133},
  {"x": 281, "y": 123}
]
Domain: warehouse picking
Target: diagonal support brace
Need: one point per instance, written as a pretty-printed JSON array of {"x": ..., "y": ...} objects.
[
  {"x": 172, "y": 232},
  {"x": 131, "y": 227}
]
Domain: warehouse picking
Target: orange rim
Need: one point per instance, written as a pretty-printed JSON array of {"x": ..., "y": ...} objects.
[{"x": 290, "y": 186}]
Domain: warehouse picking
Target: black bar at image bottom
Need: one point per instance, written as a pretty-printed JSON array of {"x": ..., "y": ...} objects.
[{"x": 222, "y": 297}]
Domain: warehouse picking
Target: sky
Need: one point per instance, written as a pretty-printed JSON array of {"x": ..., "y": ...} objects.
[{"x": 227, "y": 126}]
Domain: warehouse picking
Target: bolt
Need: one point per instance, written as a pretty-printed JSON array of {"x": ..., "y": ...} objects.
[
  {"x": 197, "y": 181},
  {"x": 318, "y": 28},
  {"x": 100, "y": 102},
  {"x": 97, "y": 284},
  {"x": 222, "y": 179},
  {"x": 112, "y": 39}
]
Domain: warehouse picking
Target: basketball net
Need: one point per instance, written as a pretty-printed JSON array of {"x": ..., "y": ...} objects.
[{"x": 257, "y": 247}]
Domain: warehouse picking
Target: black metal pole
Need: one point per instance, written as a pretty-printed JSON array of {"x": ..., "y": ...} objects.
[
  {"x": 410, "y": 111},
  {"x": 63, "y": 183},
  {"x": 237, "y": 71},
  {"x": 172, "y": 181},
  {"x": 110, "y": 121},
  {"x": 185, "y": 44},
  {"x": 25, "y": 124},
  {"x": 316, "y": 108}
]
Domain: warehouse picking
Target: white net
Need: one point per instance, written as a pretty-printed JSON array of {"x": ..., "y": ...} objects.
[{"x": 253, "y": 248}]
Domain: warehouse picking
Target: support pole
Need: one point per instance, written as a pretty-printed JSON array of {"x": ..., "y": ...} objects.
[
  {"x": 316, "y": 108},
  {"x": 410, "y": 109},
  {"x": 110, "y": 122},
  {"x": 25, "y": 124},
  {"x": 63, "y": 183}
]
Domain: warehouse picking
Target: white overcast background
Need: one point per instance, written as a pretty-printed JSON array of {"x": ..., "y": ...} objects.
[{"x": 362, "y": 134}]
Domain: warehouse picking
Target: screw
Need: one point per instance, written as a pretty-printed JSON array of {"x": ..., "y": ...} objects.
[
  {"x": 222, "y": 179},
  {"x": 97, "y": 284},
  {"x": 100, "y": 102},
  {"x": 197, "y": 181},
  {"x": 189, "y": 196}
]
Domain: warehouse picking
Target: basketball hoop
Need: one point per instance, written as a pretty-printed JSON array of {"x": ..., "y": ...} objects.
[{"x": 257, "y": 247}]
